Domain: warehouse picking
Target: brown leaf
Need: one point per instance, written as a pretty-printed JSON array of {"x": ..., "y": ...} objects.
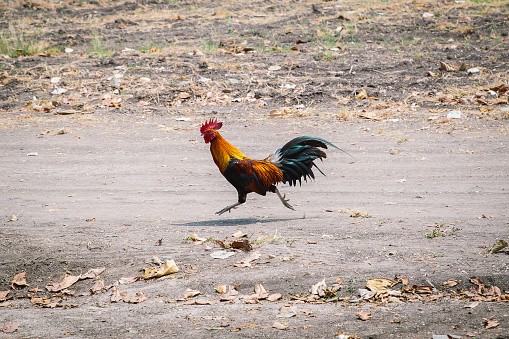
[
  {"x": 117, "y": 295},
  {"x": 402, "y": 279},
  {"x": 246, "y": 262},
  {"x": 274, "y": 296},
  {"x": 380, "y": 284},
  {"x": 241, "y": 245},
  {"x": 98, "y": 286},
  {"x": 65, "y": 283},
  {"x": 19, "y": 280},
  {"x": 3, "y": 295},
  {"x": 260, "y": 291},
  {"x": 319, "y": 288},
  {"x": 363, "y": 315},
  {"x": 196, "y": 239},
  {"x": 10, "y": 327},
  {"x": 450, "y": 283},
  {"x": 491, "y": 323},
  {"x": 422, "y": 289},
  {"x": 168, "y": 267},
  {"x": 190, "y": 293},
  {"x": 279, "y": 326},
  {"x": 92, "y": 273},
  {"x": 239, "y": 234}
]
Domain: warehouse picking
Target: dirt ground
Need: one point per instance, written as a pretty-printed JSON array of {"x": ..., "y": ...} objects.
[{"x": 103, "y": 166}]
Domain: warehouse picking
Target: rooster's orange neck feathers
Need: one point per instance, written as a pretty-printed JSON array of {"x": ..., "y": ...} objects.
[{"x": 222, "y": 152}]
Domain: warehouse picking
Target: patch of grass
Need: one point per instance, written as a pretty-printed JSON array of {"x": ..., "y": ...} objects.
[
  {"x": 16, "y": 44},
  {"x": 97, "y": 48},
  {"x": 210, "y": 45},
  {"x": 440, "y": 231}
]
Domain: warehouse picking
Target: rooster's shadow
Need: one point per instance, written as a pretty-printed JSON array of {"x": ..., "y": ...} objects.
[{"x": 234, "y": 222}]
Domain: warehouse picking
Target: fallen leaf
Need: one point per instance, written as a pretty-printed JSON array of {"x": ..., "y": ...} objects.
[
  {"x": 363, "y": 315},
  {"x": 13, "y": 217},
  {"x": 65, "y": 283},
  {"x": 274, "y": 296},
  {"x": 92, "y": 273},
  {"x": 472, "y": 304},
  {"x": 286, "y": 312},
  {"x": 361, "y": 95},
  {"x": 450, "y": 283},
  {"x": 10, "y": 327},
  {"x": 241, "y": 245},
  {"x": 190, "y": 293},
  {"x": 246, "y": 262},
  {"x": 239, "y": 234},
  {"x": 98, "y": 287},
  {"x": 402, "y": 279},
  {"x": 3, "y": 295},
  {"x": 491, "y": 323},
  {"x": 196, "y": 239},
  {"x": 19, "y": 280},
  {"x": 279, "y": 326},
  {"x": 498, "y": 245},
  {"x": 260, "y": 291},
  {"x": 380, "y": 284},
  {"x": 422, "y": 289},
  {"x": 319, "y": 288},
  {"x": 168, "y": 267}
]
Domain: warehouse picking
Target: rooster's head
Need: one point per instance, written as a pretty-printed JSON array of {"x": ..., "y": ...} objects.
[{"x": 209, "y": 129}]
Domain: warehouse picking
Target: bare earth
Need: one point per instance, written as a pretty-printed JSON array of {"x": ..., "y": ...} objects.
[{"x": 113, "y": 173}]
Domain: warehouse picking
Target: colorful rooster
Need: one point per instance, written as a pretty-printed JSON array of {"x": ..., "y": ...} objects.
[{"x": 289, "y": 164}]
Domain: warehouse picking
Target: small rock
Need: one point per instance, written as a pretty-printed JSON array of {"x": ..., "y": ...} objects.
[
  {"x": 274, "y": 68},
  {"x": 32, "y": 154},
  {"x": 473, "y": 70},
  {"x": 68, "y": 50},
  {"x": 427, "y": 15},
  {"x": 13, "y": 217},
  {"x": 58, "y": 91},
  {"x": 454, "y": 115},
  {"x": 55, "y": 80}
]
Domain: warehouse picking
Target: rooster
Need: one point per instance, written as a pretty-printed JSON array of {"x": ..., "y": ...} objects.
[{"x": 289, "y": 164}]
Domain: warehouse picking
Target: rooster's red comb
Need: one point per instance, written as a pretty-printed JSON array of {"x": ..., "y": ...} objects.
[{"x": 211, "y": 124}]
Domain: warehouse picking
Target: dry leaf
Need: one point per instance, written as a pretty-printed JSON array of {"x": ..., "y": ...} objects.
[
  {"x": 472, "y": 304},
  {"x": 361, "y": 95},
  {"x": 260, "y": 291},
  {"x": 3, "y": 295},
  {"x": 380, "y": 284},
  {"x": 363, "y": 315},
  {"x": 92, "y": 273},
  {"x": 190, "y": 293},
  {"x": 246, "y": 262},
  {"x": 241, "y": 245},
  {"x": 422, "y": 289},
  {"x": 274, "y": 297},
  {"x": 450, "y": 283},
  {"x": 491, "y": 323},
  {"x": 65, "y": 283},
  {"x": 498, "y": 245},
  {"x": 98, "y": 286},
  {"x": 196, "y": 239},
  {"x": 168, "y": 267},
  {"x": 19, "y": 280},
  {"x": 239, "y": 234},
  {"x": 319, "y": 288},
  {"x": 10, "y": 327},
  {"x": 221, "y": 288},
  {"x": 402, "y": 279},
  {"x": 279, "y": 326}
]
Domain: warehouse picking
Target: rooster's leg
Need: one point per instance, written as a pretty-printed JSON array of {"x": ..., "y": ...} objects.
[
  {"x": 228, "y": 208},
  {"x": 242, "y": 199},
  {"x": 283, "y": 200}
]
